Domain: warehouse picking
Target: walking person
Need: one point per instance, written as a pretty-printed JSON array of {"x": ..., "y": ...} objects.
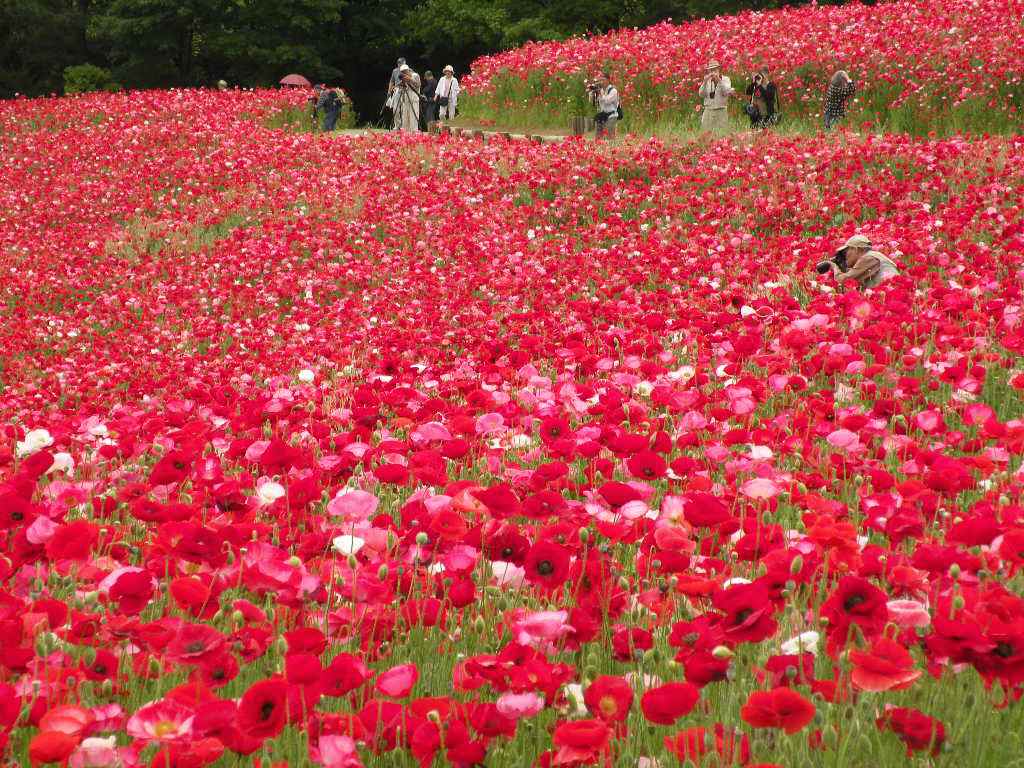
[
  {"x": 716, "y": 89},
  {"x": 406, "y": 101},
  {"x": 606, "y": 98},
  {"x": 428, "y": 107},
  {"x": 762, "y": 109},
  {"x": 837, "y": 98},
  {"x": 446, "y": 95}
]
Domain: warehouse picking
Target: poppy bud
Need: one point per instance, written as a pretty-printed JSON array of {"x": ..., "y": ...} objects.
[
  {"x": 294, "y": 561},
  {"x": 673, "y": 581},
  {"x": 954, "y": 571},
  {"x": 238, "y": 617},
  {"x": 796, "y": 566},
  {"x": 584, "y": 535},
  {"x": 352, "y": 562},
  {"x": 721, "y": 652},
  {"x": 479, "y": 625},
  {"x": 422, "y": 538},
  {"x": 392, "y": 540},
  {"x": 382, "y": 572},
  {"x": 154, "y": 667},
  {"x": 958, "y": 602},
  {"x": 107, "y": 687}
]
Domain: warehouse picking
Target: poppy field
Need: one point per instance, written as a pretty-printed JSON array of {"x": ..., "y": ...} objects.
[
  {"x": 921, "y": 66},
  {"x": 420, "y": 451}
]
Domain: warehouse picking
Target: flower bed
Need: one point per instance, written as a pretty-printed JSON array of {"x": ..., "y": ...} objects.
[{"x": 395, "y": 450}]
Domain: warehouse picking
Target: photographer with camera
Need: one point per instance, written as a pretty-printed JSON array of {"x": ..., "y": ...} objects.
[
  {"x": 406, "y": 101},
  {"x": 761, "y": 109},
  {"x": 716, "y": 89},
  {"x": 605, "y": 97},
  {"x": 857, "y": 261}
]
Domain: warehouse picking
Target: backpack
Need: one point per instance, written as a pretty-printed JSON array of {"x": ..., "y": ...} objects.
[{"x": 329, "y": 100}]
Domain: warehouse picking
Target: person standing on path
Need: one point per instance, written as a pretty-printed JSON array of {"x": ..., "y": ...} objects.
[
  {"x": 329, "y": 105},
  {"x": 716, "y": 91},
  {"x": 840, "y": 91},
  {"x": 447, "y": 94},
  {"x": 428, "y": 107},
  {"x": 406, "y": 101}
]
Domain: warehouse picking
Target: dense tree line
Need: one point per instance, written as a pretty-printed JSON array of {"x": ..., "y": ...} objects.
[{"x": 159, "y": 43}]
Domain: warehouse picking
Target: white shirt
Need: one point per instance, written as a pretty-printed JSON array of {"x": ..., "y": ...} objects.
[
  {"x": 448, "y": 86},
  {"x": 716, "y": 95},
  {"x": 608, "y": 99}
]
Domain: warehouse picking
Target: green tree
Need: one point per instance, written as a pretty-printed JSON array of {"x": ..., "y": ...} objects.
[
  {"x": 261, "y": 41},
  {"x": 38, "y": 39},
  {"x": 154, "y": 43}
]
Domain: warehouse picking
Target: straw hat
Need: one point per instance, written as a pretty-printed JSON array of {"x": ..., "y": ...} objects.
[
  {"x": 448, "y": 69},
  {"x": 712, "y": 65},
  {"x": 857, "y": 241}
]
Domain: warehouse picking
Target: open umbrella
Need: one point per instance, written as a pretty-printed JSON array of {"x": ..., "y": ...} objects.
[{"x": 296, "y": 80}]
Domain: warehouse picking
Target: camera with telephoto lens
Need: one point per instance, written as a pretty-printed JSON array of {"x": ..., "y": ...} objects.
[{"x": 839, "y": 260}]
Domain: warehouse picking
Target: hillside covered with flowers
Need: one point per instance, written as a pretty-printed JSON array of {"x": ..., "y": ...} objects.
[
  {"x": 411, "y": 451},
  {"x": 920, "y": 65}
]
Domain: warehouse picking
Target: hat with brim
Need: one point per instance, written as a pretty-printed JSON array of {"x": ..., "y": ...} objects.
[
  {"x": 712, "y": 65},
  {"x": 405, "y": 68},
  {"x": 857, "y": 241},
  {"x": 449, "y": 68}
]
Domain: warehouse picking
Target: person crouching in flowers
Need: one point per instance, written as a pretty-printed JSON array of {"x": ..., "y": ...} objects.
[
  {"x": 606, "y": 98},
  {"x": 857, "y": 261},
  {"x": 716, "y": 89}
]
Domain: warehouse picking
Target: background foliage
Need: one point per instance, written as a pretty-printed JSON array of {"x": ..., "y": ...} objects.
[{"x": 159, "y": 43}]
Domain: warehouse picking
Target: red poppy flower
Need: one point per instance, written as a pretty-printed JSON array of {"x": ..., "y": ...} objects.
[
  {"x": 917, "y": 730},
  {"x": 581, "y": 741},
  {"x": 609, "y": 698},
  {"x": 854, "y": 601},
  {"x": 748, "y": 613},
  {"x": 887, "y": 667},
  {"x": 779, "y": 708},
  {"x": 398, "y": 682},
  {"x": 49, "y": 747},
  {"x": 669, "y": 702},
  {"x": 547, "y": 565},
  {"x": 262, "y": 712}
]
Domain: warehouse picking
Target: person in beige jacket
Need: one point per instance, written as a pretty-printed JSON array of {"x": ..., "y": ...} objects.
[
  {"x": 867, "y": 267},
  {"x": 716, "y": 91}
]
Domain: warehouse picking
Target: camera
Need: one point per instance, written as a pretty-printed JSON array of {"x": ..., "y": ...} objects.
[{"x": 839, "y": 260}]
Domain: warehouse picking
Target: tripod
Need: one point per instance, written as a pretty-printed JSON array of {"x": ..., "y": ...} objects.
[{"x": 407, "y": 98}]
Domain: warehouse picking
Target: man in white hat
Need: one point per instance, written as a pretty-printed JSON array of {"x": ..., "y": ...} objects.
[
  {"x": 447, "y": 94},
  {"x": 406, "y": 100},
  {"x": 716, "y": 91},
  {"x": 866, "y": 266}
]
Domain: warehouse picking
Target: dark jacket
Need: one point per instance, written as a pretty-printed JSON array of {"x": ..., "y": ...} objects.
[{"x": 768, "y": 93}]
